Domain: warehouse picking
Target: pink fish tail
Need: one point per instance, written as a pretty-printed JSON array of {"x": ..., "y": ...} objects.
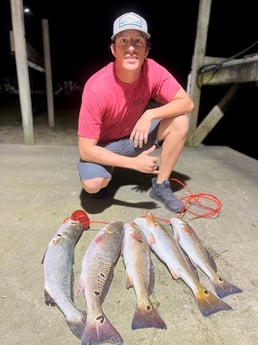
[
  {"x": 100, "y": 331},
  {"x": 223, "y": 288},
  {"x": 77, "y": 326},
  {"x": 209, "y": 303},
  {"x": 147, "y": 317}
]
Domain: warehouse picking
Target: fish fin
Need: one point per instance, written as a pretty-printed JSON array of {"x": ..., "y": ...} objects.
[
  {"x": 146, "y": 317},
  {"x": 128, "y": 281},
  {"x": 209, "y": 303},
  {"x": 194, "y": 270},
  {"x": 152, "y": 240},
  {"x": 99, "y": 237},
  {"x": 211, "y": 260},
  {"x": 77, "y": 327},
  {"x": 43, "y": 257},
  {"x": 177, "y": 237},
  {"x": 174, "y": 273},
  {"x": 223, "y": 288},
  {"x": 137, "y": 236},
  {"x": 192, "y": 265},
  {"x": 100, "y": 331},
  {"x": 79, "y": 287},
  {"x": 192, "y": 262},
  {"x": 48, "y": 299}
]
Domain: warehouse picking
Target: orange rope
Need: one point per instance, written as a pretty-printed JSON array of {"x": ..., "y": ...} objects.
[{"x": 201, "y": 201}]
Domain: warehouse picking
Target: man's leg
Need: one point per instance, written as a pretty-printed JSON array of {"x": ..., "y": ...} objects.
[
  {"x": 173, "y": 133},
  {"x": 93, "y": 176}
]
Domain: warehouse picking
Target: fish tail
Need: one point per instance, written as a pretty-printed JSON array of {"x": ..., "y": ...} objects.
[
  {"x": 223, "y": 288},
  {"x": 209, "y": 303},
  {"x": 77, "y": 326},
  {"x": 100, "y": 331},
  {"x": 146, "y": 317}
]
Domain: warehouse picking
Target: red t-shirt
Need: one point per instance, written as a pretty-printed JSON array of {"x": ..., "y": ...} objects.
[{"x": 110, "y": 108}]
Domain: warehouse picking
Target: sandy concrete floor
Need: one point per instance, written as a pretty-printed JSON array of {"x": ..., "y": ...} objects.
[{"x": 40, "y": 187}]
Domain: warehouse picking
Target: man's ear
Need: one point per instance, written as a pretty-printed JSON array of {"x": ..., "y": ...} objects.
[{"x": 112, "y": 49}]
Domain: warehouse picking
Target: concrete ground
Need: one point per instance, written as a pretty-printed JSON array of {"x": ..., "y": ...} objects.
[{"x": 40, "y": 188}]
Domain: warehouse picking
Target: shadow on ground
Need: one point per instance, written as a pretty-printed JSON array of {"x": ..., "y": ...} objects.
[{"x": 122, "y": 177}]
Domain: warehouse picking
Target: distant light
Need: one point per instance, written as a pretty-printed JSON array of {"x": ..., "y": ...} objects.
[{"x": 27, "y": 10}]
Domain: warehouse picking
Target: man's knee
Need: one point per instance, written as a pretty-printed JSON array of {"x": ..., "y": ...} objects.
[
  {"x": 181, "y": 124},
  {"x": 95, "y": 185},
  {"x": 177, "y": 126}
]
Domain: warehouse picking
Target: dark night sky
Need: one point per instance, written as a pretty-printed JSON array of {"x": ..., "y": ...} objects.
[{"x": 80, "y": 38}]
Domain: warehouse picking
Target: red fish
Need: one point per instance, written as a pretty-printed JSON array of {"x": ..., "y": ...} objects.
[
  {"x": 200, "y": 257},
  {"x": 95, "y": 279},
  {"x": 140, "y": 275},
  {"x": 168, "y": 250}
]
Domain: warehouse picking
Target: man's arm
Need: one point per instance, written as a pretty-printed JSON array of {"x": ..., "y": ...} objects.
[
  {"x": 91, "y": 152},
  {"x": 181, "y": 104}
]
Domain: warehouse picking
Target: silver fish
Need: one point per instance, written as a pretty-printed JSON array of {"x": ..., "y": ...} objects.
[
  {"x": 58, "y": 274},
  {"x": 140, "y": 275},
  {"x": 200, "y": 257},
  {"x": 95, "y": 279},
  {"x": 168, "y": 250}
]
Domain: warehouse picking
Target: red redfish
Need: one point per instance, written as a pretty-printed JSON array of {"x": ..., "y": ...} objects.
[
  {"x": 168, "y": 250},
  {"x": 140, "y": 275},
  {"x": 95, "y": 279},
  {"x": 200, "y": 257}
]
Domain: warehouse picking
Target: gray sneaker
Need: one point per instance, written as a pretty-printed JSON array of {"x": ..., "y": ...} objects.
[{"x": 162, "y": 192}]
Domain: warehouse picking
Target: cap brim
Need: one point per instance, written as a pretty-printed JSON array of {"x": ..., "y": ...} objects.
[{"x": 131, "y": 28}]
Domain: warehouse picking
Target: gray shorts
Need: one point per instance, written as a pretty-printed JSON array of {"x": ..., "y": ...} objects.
[{"x": 123, "y": 147}]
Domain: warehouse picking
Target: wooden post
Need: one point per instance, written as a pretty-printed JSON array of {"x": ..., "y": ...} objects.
[
  {"x": 22, "y": 70},
  {"x": 48, "y": 73},
  {"x": 193, "y": 89}
]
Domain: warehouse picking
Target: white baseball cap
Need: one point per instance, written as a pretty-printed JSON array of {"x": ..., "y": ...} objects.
[{"x": 130, "y": 21}]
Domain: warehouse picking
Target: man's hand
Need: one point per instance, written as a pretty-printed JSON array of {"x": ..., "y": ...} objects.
[
  {"x": 140, "y": 132},
  {"x": 146, "y": 163}
]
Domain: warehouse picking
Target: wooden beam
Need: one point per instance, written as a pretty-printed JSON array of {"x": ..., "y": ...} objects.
[
  {"x": 235, "y": 71},
  {"x": 22, "y": 70},
  {"x": 35, "y": 60},
  {"x": 212, "y": 118},
  {"x": 198, "y": 59},
  {"x": 48, "y": 73}
]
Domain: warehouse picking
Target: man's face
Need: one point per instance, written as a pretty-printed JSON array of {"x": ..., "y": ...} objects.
[{"x": 130, "y": 49}]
